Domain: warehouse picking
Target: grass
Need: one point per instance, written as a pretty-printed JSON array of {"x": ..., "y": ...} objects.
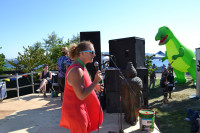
[{"x": 170, "y": 117}]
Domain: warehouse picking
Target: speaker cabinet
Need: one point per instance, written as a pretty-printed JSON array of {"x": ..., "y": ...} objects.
[
  {"x": 112, "y": 88},
  {"x": 112, "y": 80},
  {"x": 113, "y": 102},
  {"x": 126, "y": 50},
  {"x": 94, "y": 37},
  {"x": 142, "y": 73}
]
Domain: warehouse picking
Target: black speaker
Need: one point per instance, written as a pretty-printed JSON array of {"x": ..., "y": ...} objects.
[
  {"x": 112, "y": 87},
  {"x": 112, "y": 80},
  {"x": 126, "y": 50},
  {"x": 113, "y": 102},
  {"x": 94, "y": 37},
  {"x": 142, "y": 73}
]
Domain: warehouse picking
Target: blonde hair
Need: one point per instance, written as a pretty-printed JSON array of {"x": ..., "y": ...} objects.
[
  {"x": 74, "y": 49},
  {"x": 64, "y": 51}
]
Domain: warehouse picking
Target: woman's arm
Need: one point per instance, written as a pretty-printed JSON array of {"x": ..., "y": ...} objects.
[
  {"x": 41, "y": 76},
  {"x": 76, "y": 80},
  {"x": 50, "y": 75}
]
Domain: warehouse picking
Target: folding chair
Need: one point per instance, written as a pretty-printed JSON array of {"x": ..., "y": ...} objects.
[{"x": 3, "y": 93}]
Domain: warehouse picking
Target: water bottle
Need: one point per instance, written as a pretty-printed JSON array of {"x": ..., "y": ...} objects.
[{"x": 51, "y": 93}]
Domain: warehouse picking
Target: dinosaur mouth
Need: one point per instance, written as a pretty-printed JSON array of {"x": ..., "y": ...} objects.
[{"x": 163, "y": 40}]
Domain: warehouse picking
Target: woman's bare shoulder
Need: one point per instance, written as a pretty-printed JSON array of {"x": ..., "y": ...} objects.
[{"x": 75, "y": 70}]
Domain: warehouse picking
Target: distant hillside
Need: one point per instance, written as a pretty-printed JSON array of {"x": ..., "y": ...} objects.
[{"x": 157, "y": 62}]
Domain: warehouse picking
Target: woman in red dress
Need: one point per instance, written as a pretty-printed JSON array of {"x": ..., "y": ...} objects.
[{"x": 81, "y": 110}]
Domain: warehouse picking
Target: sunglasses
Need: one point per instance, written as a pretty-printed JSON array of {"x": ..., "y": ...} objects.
[{"x": 91, "y": 52}]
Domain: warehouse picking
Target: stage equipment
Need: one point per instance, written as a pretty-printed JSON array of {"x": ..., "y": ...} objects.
[
  {"x": 94, "y": 37},
  {"x": 142, "y": 73},
  {"x": 131, "y": 49}
]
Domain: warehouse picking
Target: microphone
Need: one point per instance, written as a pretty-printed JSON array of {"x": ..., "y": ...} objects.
[
  {"x": 107, "y": 55},
  {"x": 96, "y": 65}
]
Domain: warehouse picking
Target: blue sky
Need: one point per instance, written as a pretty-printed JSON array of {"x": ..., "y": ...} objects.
[{"x": 24, "y": 22}]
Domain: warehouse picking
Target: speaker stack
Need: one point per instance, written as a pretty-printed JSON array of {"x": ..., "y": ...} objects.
[
  {"x": 94, "y": 37},
  {"x": 142, "y": 73},
  {"x": 112, "y": 85},
  {"x": 124, "y": 50}
]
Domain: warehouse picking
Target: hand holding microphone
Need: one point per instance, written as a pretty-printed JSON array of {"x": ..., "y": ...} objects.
[{"x": 98, "y": 77}]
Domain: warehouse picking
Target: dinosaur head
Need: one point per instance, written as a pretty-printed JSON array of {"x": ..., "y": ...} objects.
[{"x": 164, "y": 35}]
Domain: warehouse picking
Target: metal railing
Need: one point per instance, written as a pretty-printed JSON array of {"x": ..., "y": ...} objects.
[{"x": 18, "y": 87}]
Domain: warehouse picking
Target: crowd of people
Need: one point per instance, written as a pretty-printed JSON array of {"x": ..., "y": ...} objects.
[{"x": 166, "y": 82}]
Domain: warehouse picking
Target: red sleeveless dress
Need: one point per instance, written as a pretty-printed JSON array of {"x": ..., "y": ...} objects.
[{"x": 80, "y": 116}]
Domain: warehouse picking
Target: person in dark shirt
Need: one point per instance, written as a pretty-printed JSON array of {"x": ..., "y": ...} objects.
[
  {"x": 165, "y": 88},
  {"x": 152, "y": 80},
  {"x": 45, "y": 78},
  {"x": 170, "y": 68},
  {"x": 170, "y": 79},
  {"x": 63, "y": 63}
]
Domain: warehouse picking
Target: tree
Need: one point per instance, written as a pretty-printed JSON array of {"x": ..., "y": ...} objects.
[
  {"x": 148, "y": 63},
  {"x": 2, "y": 62},
  {"x": 54, "y": 45},
  {"x": 75, "y": 39},
  {"x": 32, "y": 59}
]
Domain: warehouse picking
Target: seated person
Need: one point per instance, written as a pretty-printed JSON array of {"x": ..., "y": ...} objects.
[{"x": 45, "y": 78}]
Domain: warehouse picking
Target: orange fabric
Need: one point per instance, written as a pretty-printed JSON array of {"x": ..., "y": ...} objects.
[{"x": 80, "y": 116}]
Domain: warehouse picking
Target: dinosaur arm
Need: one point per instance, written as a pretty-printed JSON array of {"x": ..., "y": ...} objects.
[
  {"x": 166, "y": 57},
  {"x": 181, "y": 54}
]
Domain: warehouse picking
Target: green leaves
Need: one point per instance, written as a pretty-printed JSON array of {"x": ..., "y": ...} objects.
[
  {"x": 34, "y": 57},
  {"x": 148, "y": 63},
  {"x": 2, "y": 62}
]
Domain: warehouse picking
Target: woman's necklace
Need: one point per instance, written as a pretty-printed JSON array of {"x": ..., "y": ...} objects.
[{"x": 83, "y": 66}]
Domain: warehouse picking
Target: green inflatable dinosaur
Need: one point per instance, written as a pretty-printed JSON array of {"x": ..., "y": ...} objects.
[{"x": 181, "y": 58}]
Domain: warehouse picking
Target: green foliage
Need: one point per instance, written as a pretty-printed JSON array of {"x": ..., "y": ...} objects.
[
  {"x": 34, "y": 57},
  {"x": 2, "y": 62},
  {"x": 54, "y": 45},
  {"x": 148, "y": 63},
  {"x": 75, "y": 39}
]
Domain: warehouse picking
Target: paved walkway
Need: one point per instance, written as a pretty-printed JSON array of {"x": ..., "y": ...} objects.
[{"x": 34, "y": 114}]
